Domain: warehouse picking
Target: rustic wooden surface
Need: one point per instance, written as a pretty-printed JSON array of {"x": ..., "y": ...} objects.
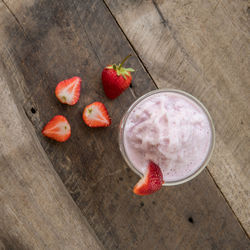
[
  {"x": 36, "y": 211},
  {"x": 43, "y": 42},
  {"x": 202, "y": 47}
]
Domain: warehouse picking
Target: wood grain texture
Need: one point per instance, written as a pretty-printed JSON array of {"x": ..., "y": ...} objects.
[
  {"x": 43, "y": 42},
  {"x": 202, "y": 47},
  {"x": 36, "y": 211}
]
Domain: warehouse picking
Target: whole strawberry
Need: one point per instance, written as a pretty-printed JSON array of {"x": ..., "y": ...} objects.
[{"x": 116, "y": 79}]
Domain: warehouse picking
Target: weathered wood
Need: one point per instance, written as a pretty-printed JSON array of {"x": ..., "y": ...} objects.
[
  {"x": 47, "y": 41},
  {"x": 36, "y": 211},
  {"x": 202, "y": 47}
]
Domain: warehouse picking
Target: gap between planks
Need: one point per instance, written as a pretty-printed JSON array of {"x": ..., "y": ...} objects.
[{"x": 131, "y": 45}]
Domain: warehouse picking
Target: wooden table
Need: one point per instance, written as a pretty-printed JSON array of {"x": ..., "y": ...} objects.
[{"x": 78, "y": 194}]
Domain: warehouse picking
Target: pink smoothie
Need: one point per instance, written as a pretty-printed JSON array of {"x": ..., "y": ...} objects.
[{"x": 171, "y": 130}]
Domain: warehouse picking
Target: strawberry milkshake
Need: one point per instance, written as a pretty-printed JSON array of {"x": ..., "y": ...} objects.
[{"x": 170, "y": 128}]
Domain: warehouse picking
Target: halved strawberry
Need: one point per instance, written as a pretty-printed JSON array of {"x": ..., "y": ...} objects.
[
  {"x": 57, "y": 128},
  {"x": 151, "y": 182},
  {"x": 96, "y": 115},
  {"x": 68, "y": 91}
]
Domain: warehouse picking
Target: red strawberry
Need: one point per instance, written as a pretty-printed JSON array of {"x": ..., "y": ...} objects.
[
  {"x": 115, "y": 79},
  {"x": 96, "y": 115},
  {"x": 151, "y": 182},
  {"x": 68, "y": 91},
  {"x": 57, "y": 128}
]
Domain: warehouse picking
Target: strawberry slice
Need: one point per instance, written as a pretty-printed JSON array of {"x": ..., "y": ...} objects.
[
  {"x": 68, "y": 91},
  {"x": 151, "y": 182},
  {"x": 96, "y": 115},
  {"x": 57, "y": 128}
]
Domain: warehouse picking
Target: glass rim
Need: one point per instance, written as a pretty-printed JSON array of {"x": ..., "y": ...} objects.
[{"x": 139, "y": 100}]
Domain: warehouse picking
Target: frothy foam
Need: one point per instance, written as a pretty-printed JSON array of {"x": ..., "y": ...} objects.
[{"x": 172, "y": 131}]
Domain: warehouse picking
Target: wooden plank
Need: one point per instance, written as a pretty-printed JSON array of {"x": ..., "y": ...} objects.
[
  {"x": 36, "y": 211},
  {"x": 46, "y": 41},
  {"x": 202, "y": 47}
]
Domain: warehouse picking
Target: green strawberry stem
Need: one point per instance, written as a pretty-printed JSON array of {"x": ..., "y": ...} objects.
[{"x": 124, "y": 60}]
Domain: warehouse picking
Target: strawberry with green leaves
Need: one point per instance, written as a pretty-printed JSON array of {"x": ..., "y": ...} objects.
[{"x": 115, "y": 79}]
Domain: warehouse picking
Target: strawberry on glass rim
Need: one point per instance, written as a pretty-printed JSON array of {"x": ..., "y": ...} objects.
[
  {"x": 151, "y": 182},
  {"x": 116, "y": 79}
]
